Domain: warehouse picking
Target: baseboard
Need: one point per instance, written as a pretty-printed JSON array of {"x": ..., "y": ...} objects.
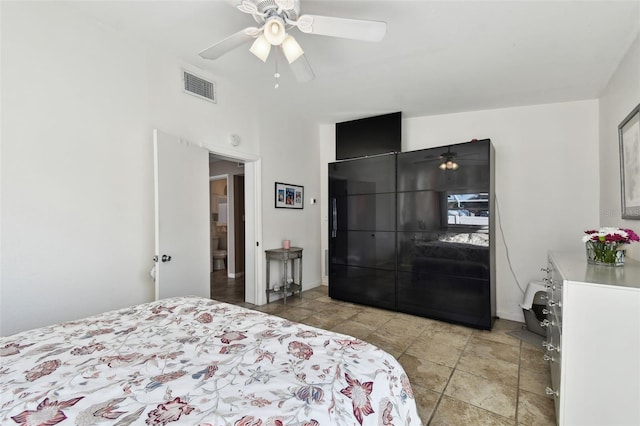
[
  {"x": 312, "y": 285},
  {"x": 235, "y": 274},
  {"x": 516, "y": 316}
]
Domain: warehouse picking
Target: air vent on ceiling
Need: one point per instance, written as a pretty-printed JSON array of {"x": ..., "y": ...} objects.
[{"x": 199, "y": 87}]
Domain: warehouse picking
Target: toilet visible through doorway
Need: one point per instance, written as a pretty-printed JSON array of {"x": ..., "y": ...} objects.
[{"x": 219, "y": 251}]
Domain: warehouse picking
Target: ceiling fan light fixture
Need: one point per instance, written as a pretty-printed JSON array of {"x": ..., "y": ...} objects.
[
  {"x": 261, "y": 48},
  {"x": 291, "y": 49},
  {"x": 274, "y": 30}
]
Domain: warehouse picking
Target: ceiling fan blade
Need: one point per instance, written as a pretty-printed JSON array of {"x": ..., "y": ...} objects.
[
  {"x": 356, "y": 29},
  {"x": 245, "y": 6},
  {"x": 302, "y": 69},
  {"x": 235, "y": 40}
]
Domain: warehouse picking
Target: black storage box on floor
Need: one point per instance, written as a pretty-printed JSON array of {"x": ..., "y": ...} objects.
[{"x": 532, "y": 306}]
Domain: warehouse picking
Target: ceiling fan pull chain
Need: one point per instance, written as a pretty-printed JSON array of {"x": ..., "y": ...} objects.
[{"x": 277, "y": 74}]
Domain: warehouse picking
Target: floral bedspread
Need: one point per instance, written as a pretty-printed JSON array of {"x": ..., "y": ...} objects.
[{"x": 190, "y": 360}]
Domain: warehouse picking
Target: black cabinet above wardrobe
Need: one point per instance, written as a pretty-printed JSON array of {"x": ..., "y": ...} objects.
[{"x": 411, "y": 233}]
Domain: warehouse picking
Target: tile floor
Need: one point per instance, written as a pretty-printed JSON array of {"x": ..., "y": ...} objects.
[{"x": 459, "y": 375}]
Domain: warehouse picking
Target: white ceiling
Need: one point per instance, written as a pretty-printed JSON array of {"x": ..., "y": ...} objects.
[{"x": 438, "y": 56}]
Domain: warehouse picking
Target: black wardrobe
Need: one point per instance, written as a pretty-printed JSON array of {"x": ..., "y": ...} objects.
[{"x": 414, "y": 232}]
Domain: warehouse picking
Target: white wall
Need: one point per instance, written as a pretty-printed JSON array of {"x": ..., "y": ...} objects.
[
  {"x": 327, "y": 134},
  {"x": 547, "y": 180},
  {"x": 79, "y": 103},
  {"x": 290, "y": 153},
  {"x": 621, "y": 95}
]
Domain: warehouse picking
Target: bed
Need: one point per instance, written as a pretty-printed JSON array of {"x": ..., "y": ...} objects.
[{"x": 191, "y": 360}]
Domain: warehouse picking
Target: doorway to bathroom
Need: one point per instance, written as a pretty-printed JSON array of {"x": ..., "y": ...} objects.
[{"x": 226, "y": 185}]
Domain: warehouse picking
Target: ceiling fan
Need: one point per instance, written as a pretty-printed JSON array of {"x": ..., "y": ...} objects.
[{"x": 275, "y": 18}]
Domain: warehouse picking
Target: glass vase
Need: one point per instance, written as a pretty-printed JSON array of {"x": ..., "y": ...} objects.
[{"x": 607, "y": 254}]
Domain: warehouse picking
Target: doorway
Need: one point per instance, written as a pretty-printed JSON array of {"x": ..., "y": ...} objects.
[
  {"x": 227, "y": 226},
  {"x": 239, "y": 221},
  {"x": 179, "y": 167}
]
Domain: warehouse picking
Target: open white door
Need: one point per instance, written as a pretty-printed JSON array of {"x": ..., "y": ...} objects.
[{"x": 181, "y": 172}]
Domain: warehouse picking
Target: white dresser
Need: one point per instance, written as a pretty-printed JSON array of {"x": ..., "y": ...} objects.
[{"x": 593, "y": 341}]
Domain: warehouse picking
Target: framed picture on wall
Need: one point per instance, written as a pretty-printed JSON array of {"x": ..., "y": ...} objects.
[
  {"x": 289, "y": 196},
  {"x": 629, "y": 137}
]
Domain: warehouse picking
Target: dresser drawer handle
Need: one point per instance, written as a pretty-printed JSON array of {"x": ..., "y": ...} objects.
[
  {"x": 547, "y": 323},
  {"x": 548, "y": 358},
  {"x": 550, "y": 392},
  {"x": 554, "y": 303},
  {"x": 550, "y": 347}
]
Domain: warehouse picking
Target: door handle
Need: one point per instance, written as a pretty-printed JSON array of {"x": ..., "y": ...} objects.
[
  {"x": 165, "y": 258},
  {"x": 334, "y": 217}
]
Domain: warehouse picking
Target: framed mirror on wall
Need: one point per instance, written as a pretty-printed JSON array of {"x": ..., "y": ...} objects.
[{"x": 629, "y": 139}]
